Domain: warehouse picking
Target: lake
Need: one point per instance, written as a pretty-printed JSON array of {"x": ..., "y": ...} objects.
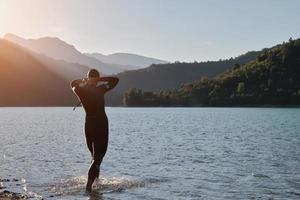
[{"x": 154, "y": 153}]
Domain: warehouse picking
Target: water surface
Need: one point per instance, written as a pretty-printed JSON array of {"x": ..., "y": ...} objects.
[{"x": 154, "y": 153}]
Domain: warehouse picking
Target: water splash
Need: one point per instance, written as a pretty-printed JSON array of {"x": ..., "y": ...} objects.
[{"x": 76, "y": 186}]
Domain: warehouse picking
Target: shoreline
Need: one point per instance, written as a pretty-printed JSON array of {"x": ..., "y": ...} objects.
[
  {"x": 7, "y": 195},
  {"x": 171, "y": 106}
]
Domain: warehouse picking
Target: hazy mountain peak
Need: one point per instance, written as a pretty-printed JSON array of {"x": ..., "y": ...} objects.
[
  {"x": 135, "y": 60},
  {"x": 56, "y": 48},
  {"x": 13, "y": 38},
  {"x": 10, "y": 35},
  {"x": 42, "y": 45}
]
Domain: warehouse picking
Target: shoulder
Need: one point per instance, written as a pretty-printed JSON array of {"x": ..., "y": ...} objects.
[
  {"x": 78, "y": 86},
  {"x": 75, "y": 83}
]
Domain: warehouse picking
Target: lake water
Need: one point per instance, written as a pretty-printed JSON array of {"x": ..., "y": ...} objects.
[{"x": 154, "y": 153}]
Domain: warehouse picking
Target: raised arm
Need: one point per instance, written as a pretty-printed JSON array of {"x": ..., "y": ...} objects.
[
  {"x": 111, "y": 82},
  {"x": 76, "y": 83}
]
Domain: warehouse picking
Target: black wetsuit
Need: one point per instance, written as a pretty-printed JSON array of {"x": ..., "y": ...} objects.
[{"x": 96, "y": 123}]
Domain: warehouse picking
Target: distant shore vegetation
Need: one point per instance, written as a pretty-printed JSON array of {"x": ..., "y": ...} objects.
[{"x": 273, "y": 79}]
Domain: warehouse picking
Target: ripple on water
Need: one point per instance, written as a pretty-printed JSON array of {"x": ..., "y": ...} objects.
[
  {"x": 202, "y": 153},
  {"x": 76, "y": 186}
]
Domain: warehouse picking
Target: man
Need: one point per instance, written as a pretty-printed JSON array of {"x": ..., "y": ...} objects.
[{"x": 90, "y": 92}]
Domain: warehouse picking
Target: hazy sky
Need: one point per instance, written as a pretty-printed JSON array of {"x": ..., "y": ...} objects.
[{"x": 183, "y": 30}]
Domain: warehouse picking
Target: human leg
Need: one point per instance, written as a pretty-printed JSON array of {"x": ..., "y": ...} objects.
[{"x": 93, "y": 173}]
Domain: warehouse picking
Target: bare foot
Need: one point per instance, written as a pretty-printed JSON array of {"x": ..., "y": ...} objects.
[{"x": 88, "y": 189}]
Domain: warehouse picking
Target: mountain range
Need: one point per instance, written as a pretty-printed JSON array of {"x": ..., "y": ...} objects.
[
  {"x": 133, "y": 61},
  {"x": 20, "y": 61},
  {"x": 56, "y": 48}
]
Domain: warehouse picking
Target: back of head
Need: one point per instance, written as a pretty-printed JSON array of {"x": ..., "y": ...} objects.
[{"x": 93, "y": 73}]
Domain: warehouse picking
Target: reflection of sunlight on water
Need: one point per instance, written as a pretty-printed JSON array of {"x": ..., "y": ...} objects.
[
  {"x": 18, "y": 188},
  {"x": 76, "y": 186},
  {"x": 117, "y": 184},
  {"x": 29, "y": 194}
]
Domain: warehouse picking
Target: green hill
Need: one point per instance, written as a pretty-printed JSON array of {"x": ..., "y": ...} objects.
[
  {"x": 171, "y": 76},
  {"x": 273, "y": 78}
]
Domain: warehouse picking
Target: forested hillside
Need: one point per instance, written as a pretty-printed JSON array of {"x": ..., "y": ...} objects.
[
  {"x": 172, "y": 75},
  {"x": 273, "y": 78}
]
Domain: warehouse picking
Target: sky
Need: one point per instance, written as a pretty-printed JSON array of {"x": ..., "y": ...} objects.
[{"x": 173, "y": 30}]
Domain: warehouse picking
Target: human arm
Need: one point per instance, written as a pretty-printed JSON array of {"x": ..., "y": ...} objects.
[
  {"x": 109, "y": 83},
  {"x": 77, "y": 83}
]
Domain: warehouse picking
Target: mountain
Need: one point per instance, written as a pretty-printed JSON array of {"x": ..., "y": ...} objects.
[
  {"x": 172, "y": 75},
  {"x": 26, "y": 81},
  {"x": 67, "y": 71},
  {"x": 133, "y": 60},
  {"x": 273, "y": 78},
  {"x": 60, "y": 50},
  {"x": 35, "y": 79}
]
